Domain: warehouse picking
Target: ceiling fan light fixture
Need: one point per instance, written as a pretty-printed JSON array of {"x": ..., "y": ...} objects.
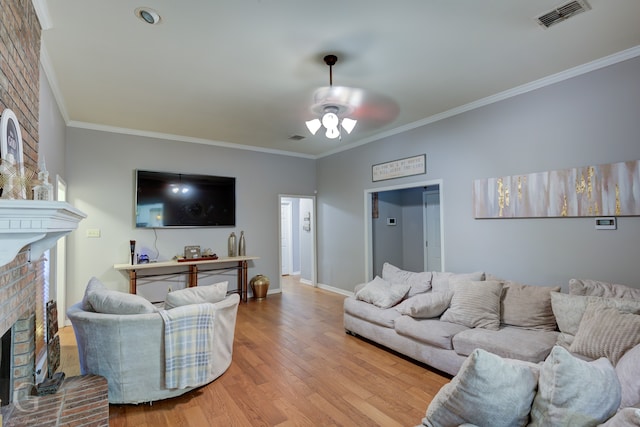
[
  {"x": 313, "y": 125},
  {"x": 330, "y": 120},
  {"x": 348, "y": 124},
  {"x": 332, "y": 133}
]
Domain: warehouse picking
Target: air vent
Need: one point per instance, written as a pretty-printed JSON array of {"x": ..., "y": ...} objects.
[
  {"x": 296, "y": 137},
  {"x": 562, "y": 13}
]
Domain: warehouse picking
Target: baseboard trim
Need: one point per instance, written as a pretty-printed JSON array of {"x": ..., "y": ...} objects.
[{"x": 335, "y": 290}]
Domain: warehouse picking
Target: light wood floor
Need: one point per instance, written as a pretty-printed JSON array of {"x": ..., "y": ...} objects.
[{"x": 293, "y": 365}]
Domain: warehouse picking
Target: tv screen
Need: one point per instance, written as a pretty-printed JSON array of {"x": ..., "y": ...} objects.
[{"x": 184, "y": 200}]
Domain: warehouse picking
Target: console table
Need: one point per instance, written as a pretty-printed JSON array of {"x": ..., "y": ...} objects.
[{"x": 189, "y": 267}]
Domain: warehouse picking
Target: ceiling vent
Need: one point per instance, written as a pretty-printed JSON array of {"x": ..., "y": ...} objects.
[
  {"x": 296, "y": 137},
  {"x": 562, "y": 13}
]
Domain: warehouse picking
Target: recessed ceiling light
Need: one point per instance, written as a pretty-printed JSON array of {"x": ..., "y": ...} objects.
[{"x": 147, "y": 15}]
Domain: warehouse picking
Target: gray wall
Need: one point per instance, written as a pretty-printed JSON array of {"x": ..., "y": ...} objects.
[
  {"x": 100, "y": 178},
  {"x": 593, "y": 118}
]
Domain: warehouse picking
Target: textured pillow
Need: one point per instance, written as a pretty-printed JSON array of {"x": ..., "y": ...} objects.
[
  {"x": 93, "y": 285},
  {"x": 440, "y": 282},
  {"x": 574, "y": 392},
  {"x": 628, "y": 370},
  {"x": 475, "y": 305},
  {"x": 568, "y": 309},
  {"x": 113, "y": 302},
  {"x": 602, "y": 289},
  {"x": 419, "y": 282},
  {"x": 196, "y": 295},
  {"x": 606, "y": 332},
  {"x": 487, "y": 391},
  {"x": 381, "y": 293},
  {"x": 528, "y": 306},
  {"x": 426, "y": 305}
]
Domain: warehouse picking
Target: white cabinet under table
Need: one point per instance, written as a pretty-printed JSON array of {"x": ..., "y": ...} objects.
[{"x": 191, "y": 268}]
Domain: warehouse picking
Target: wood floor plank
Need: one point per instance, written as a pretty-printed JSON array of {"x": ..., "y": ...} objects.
[{"x": 293, "y": 365}]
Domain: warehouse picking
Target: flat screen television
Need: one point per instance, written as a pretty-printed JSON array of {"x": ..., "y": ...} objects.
[{"x": 166, "y": 199}]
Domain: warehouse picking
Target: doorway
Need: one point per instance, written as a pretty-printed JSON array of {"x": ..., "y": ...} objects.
[
  {"x": 297, "y": 232},
  {"x": 404, "y": 226}
]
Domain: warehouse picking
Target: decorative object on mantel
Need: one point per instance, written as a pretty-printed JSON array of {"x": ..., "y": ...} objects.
[
  {"x": 44, "y": 189},
  {"x": 259, "y": 286},
  {"x": 416, "y": 165},
  {"x": 231, "y": 244},
  {"x": 192, "y": 252},
  {"x": 242, "y": 246},
  {"x": 132, "y": 248},
  {"x": 589, "y": 191}
]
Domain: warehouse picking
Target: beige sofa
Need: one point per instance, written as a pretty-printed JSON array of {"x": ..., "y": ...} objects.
[{"x": 125, "y": 343}]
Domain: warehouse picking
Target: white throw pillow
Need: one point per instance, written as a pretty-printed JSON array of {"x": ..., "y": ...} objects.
[
  {"x": 381, "y": 293},
  {"x": 426, "y": 305},
  {"x": 487, "y": 391},
  {"x": 602, "y": 289},
  {"x": 528, "y": 306},
  {"x": 574, "y": 392},
  {"x": 107, "y": 301},
  {"x": 419, "y": 282},
  {"x": 196, "y": 295},
  {"x": 475, "y": 305}
]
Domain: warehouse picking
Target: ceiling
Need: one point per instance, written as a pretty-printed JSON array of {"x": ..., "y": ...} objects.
[{"x": 245, "y": 71}]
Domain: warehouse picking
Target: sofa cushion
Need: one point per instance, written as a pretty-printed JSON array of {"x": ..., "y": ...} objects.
[
  {"x": 93, "y": 285},
  {"x": 113, "y": 302},
  {"x": 369, "y": 312},
  {"x": 509, "y": 341},
  {"x": 574, "y": 392},
  {"x": 602, "y": 289},
  {"x": 606, "y": 332},
  {"x": 420, "y": 282},
  {"x": 626, "y": 417},
  {"x": 426, "y": 305},
  {"x": 528, "y": 306},
  {"x": 568, "y": 311},
  {"x": 383, "y": 294},
  {"x": 488, "y": 391},
  {"x": 441, "y": 280},
  {"x": 196, "y": 295},
  {"x": 475, "y": 304},
  {"x": 628, "y": 371},
  {"x": 429, "y": 331}
]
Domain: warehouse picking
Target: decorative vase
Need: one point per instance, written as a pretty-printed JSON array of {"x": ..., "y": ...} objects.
[
  {"x": 242, "y": 248},
  {"x": 232, "y": 244},
  {"x": 259, "y": 286}
]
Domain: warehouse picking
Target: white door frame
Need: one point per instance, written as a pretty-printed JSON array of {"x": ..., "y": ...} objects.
[
  {"x": 426, "y": 221},
  {"x": 288, "y": 256},
  {"x": 313, "y": 231},
  {"x": 368, "y": 229}
]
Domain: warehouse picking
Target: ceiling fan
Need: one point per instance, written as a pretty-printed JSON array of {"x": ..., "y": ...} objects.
[{"x": 340, "y": 108}]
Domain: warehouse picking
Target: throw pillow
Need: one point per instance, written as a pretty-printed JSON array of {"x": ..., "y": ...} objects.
[
  {"x": 602, "y": 289},
  {"x": 441, "y": 281},
  {"x": 574, "y": 392},
  {"x": 93, "y": 285},
  {"x": 419, "y": 282},
  {"x": 475, "y": 305},
  {"x": 196, "y": 295},
  {"x": 528, "y": 306},
  {"x": 425, "y": 306},
  {"x": 628, "y": 370},
  {"x": 113, "y": 302},
  {"x": 381, "y": 293},
  {"x": 487, "y": 391},
  {"x": 606, "y": 332}
]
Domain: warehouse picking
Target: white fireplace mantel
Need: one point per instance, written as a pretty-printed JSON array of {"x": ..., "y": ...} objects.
[{"x": 35, "y": 222}]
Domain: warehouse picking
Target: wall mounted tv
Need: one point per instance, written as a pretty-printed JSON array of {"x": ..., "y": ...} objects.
[{"x": 184, "y": 200}]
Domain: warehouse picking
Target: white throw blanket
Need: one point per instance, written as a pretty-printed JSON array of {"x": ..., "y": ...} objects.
[{"x": 188, "y": 341}]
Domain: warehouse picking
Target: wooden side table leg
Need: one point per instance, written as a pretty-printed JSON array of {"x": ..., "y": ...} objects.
[
  {"x": 132, "y": 282},
  {"x": 193, "y": 276},
  {"x": 244, "y": 280}
]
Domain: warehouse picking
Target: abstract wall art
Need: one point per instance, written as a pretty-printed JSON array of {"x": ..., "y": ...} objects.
[{"x": 602, "y": 190}]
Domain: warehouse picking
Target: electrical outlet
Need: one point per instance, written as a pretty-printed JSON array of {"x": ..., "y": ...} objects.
[{"x": 93, "y": 232}]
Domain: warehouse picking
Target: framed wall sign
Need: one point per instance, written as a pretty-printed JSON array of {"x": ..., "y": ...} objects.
[
  {"x": 11, "y": 150},
  {"x": 409, "y": 166}
]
